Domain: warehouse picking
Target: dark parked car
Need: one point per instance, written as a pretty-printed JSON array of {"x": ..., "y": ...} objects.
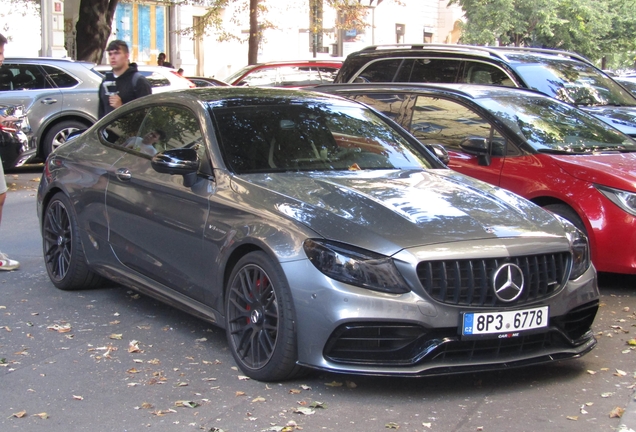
[
  {"x": 296, "y": 74},
  {"x": 14, "y": 145},
  {"x": 547, "y": 151},
  {"x": 559, "y": 74},
  {"x": 317, "y": 234},
  {"x": 59, "y": 97}
]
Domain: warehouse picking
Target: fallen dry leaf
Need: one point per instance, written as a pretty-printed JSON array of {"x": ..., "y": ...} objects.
[
  {"x": 620, "y": 373},
  {"x": 239, "y": 393},
  {"x": 243, "y": 377},
  {"x": 116, "y": 336},
  {"x": 42, "y": 415},
  {"x": 64, "y": 328},
  {"x": 617, "y": 412},
  {"x": 186, "y": 404},
  {"x": 351, "y": 384},
  {"x": 334, "y": 384},
  {"x": 591, "y": 372},
  {"x": 294, "y": 391},
  {"x": 392, "y": 425},
  {"x": 259, "y": 399},
  {"x": 20, "y": 414},
  {"x": 78, "y": 397},
  {"x": 304, "y": 411},
  {"x": 146, "y": 405},
  {"x": 574, "y": 418}
]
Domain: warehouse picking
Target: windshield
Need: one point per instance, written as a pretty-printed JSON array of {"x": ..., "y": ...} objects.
[
  {"x": 549, "y": 125},
  {"x": 573, "y": 82},
  {"x": 311, "y": 136}
]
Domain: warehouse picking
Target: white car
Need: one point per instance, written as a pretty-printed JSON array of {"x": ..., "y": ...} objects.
[{"x": 162, "y": 79}]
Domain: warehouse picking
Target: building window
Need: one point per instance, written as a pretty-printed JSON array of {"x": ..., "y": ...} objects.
[{"x": 143, "y": 27}]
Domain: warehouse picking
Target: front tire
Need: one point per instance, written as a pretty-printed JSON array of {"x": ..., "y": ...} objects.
[
  {"x": 63, "y": 252},
  {"x": 260, "y": 325},
  {"x": 566, "y": 212}
]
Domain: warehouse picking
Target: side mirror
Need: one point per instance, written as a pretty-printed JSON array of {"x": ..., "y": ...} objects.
[
  {"x": 439, "y": 151},
  {"x": 479, "y": 147},
  {"x": 183, "y": 161}
]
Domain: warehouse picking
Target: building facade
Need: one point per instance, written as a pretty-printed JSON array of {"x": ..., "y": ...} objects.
[{"x": 153, "y": 27}]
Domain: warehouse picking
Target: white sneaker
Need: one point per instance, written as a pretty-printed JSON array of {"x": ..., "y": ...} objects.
[{"x": 8, "y": 264}]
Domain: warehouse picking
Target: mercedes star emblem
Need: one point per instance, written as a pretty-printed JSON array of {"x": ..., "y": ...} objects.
[{"x": 508, "y": 282}]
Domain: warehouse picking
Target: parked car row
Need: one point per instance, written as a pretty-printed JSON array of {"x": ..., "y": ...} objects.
[{"x": 322, "y": 228}]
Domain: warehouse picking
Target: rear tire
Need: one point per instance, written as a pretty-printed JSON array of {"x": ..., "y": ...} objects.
[
  {"x": 63, "y": 252},
  {"x": 259, "y": 316}
]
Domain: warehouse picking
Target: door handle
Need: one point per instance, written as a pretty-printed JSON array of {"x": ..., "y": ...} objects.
[
  {"x": 124, "y": 174},
  {"x": 48, "y": 101}
]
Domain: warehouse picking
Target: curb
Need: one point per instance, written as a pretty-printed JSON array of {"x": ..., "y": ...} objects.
[{"x": 628, "y": 420}]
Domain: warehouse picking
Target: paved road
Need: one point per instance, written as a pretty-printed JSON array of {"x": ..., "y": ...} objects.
[{"x": 179, "y": 374}]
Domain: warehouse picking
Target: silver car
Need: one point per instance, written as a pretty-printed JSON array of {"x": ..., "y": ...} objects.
[
  {"x": 317, "y": 233},
  {"x": 59, "y": 96}
]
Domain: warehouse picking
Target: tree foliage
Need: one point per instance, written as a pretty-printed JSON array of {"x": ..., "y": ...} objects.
[{"x": 593, "y": 28}]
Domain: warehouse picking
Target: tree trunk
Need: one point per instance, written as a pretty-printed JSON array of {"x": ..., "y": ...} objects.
[
  {"x": 252, "y": 51},
  {"x": 94, "y": 28}
]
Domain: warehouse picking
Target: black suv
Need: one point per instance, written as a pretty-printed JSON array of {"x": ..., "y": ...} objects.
[{"x": 560, "y": 74}]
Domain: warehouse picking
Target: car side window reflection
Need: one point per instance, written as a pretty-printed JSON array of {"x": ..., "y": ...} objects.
[
  {"x": 123, "y": 128},
  {"x": 175, "y": 128},
  {"x": 445, "y": 122}
]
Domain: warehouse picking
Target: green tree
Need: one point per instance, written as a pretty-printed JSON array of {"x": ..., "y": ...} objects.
[{"x": 593, "y": 28}]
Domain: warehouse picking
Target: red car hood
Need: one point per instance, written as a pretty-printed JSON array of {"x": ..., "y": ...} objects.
[{"x": 616, "y": 170}]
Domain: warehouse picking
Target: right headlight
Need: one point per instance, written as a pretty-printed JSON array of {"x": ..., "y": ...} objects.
[
  {"x": 624, "y": 199},
  {"x": 579, "y": 246}
]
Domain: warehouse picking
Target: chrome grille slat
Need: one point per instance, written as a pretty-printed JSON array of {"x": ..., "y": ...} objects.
[{"x": 468, "y": 282}]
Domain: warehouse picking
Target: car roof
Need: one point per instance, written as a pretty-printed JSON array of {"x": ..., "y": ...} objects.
[{"x": 498, "y": 52}]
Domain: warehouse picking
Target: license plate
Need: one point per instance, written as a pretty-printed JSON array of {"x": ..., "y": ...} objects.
[{"x": 506, "y": 324}]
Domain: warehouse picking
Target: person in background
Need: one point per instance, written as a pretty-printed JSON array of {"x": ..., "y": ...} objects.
[
  {"x": 129, "y": 83},
  {"x": 161, "y": 61},
  {"x": 5, "y": 262},
  {"x": 180, "y": 71}
]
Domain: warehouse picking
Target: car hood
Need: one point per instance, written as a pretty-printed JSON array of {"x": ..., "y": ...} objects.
[
  {"x": 622, "y": 118},
  {"x": 387, "y": 211},
  {"x": 616, "y": 170}
]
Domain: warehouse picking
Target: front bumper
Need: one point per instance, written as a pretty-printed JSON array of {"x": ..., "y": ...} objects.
[{"x": 352, "y": 330}]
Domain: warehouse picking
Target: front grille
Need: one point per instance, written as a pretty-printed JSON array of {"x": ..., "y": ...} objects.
[{"x": 469, "y": 282}]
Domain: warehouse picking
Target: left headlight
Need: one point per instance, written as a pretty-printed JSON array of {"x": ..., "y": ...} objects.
[
  {"x": 579, "y": 246},
  {"x": 623, "y": 199},
  {"x": 355, "y": 266}
]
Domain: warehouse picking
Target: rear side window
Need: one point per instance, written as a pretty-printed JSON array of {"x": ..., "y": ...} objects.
[
  {"x": 380, "y": 71},
  {"x": 60, "y": 78},
  {"x": 430, "y": 70}
]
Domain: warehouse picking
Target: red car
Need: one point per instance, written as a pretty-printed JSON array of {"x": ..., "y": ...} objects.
[
  {"x": 551, "y": 153},
  {"x": 295, "y": 74}
]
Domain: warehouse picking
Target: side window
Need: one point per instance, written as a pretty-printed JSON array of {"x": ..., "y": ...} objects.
[
  {"x": 24, "y": 77},
  {"x": 483, "y": 73},
  {"x": 60, "y": 78},
  {"x": 430, "y": 70},
  {"x": 380, "y": 71},
  {"x": 155, "y": 79},
  {"x": 445, "y": 122},
  {"x": 124, "y": 130},
  {"x": 166, "y": 128}
]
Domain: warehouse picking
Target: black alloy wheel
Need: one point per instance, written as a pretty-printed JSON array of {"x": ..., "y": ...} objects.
[
  {"x": 259, "y": 320},
  {"x": 63, "y": 252}
]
